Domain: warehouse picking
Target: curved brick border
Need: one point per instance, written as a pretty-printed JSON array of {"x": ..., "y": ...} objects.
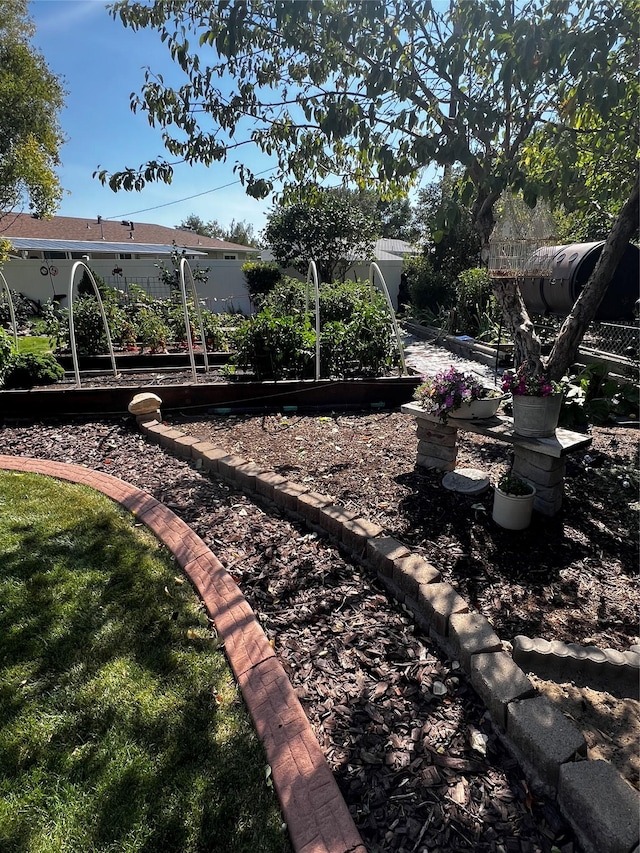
[{"x": 316, "y": 814}]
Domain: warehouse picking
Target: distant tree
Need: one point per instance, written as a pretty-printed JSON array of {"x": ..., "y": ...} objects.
[
  {"x": 241, "y": 233},
  {"x": 455, "y": 248},
  {"x": 329, "y": 226},
  {"x": 31, "y": 97}
]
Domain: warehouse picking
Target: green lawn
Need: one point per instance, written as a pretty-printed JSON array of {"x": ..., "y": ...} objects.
[
  {"x": 34, "y": 344},
  {"x": 121, "y": 728}
]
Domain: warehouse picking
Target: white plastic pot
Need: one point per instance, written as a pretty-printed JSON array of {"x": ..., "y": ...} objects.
[{"x": 513, "y": 512}]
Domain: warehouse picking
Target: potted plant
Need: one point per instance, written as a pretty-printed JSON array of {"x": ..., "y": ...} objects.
[
  {"x": 513, "y": 502},
  {"x": 536, "y": 401},
  {"x": 455, "y": 394}
]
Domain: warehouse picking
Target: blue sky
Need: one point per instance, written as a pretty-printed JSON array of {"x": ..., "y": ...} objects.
[{"x": 101, "y": 63}]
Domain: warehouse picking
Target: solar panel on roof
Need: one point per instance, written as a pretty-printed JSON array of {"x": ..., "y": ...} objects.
[{"x": 97, "y": 247}]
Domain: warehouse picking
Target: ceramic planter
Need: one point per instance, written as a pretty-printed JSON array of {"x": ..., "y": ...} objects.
[
  {"x": 536, "y": 417},
  {"x": 513, "y": 512},
  {"x": 485, "y": 408}
]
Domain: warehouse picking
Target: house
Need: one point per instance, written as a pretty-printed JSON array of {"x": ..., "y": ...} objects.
[{"x": 121, "y": 253}]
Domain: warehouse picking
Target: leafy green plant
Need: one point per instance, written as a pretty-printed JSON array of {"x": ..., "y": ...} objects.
[
  {"x": 275, "y": 347},
  {"x": 475, "y": 305},
  {"x": 512, "y": 485},
  {"x": 595, "y": 398},
  {"x": 429, "y": 289},
  {"x": 28, "y": 369},
  {"x": 153, "y": 332},
  {"x": 6, "y": 351}
]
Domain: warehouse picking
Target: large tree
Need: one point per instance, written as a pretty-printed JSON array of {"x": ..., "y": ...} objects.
[
  {"x": 375, "y": 91},
  {"x": 31, "y": 97},
  {"x": 329, "y": 226}
]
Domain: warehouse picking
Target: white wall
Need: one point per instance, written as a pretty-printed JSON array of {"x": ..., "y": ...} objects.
[{"x": 225, "y": 289}]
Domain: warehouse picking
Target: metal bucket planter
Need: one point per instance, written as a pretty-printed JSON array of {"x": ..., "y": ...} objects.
[
  {"x": 513, "y": 512},
  {"x": 536, "y": 417}
]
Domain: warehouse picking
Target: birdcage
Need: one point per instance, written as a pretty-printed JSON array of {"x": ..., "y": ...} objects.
[
  {"x": 509, "y": 258},
  {"x": 521, "y": 243}
]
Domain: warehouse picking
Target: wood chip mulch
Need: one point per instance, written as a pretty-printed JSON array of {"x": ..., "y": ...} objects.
[{"x": 410, "y": 744}]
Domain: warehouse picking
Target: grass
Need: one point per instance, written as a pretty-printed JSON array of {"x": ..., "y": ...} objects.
[
  {"x": 120, "y": 725},
  {"x": 33, "y": 344}
]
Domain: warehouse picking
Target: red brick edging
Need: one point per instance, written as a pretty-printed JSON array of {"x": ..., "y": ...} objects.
[{"x": 316, "y": 814}]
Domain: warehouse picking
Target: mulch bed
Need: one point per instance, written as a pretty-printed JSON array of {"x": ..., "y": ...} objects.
[{"x": 410, "y": 744}]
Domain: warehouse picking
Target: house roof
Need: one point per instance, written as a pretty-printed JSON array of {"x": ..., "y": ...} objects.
[{"x": 95, "y": 230}]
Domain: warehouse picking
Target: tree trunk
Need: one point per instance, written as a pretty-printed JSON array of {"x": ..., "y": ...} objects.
[
  {"x": 525, "y": 341},
  {"x": 573, "y": 330}
]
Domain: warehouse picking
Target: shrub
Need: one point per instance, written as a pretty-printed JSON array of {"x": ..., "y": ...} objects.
[
  {"x": 152, "y": 330},
  {"x": 261, "y": 278},
  {"x": 356, "y": 336},
  {"x": 23, "y": 308},
  {"x": 6, "y": 352},
  {"x": 28, "y": 369},
  {"x": 275, "y": 347},
  {"x": 476, "y": 308}
]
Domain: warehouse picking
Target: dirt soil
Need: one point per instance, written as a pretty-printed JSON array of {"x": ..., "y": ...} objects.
[{"x": 411, "y": 746}]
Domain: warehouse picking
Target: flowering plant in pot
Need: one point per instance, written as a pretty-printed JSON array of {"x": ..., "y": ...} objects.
[
  {"x": 530, "y": 383},
  {"x": 536, "y": 400},
  {"x": 452, "y": 392}
]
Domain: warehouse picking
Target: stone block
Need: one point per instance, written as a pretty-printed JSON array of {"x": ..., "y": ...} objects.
[
  {"x": 446, "y": 437},
  {"x": 549, "y": 507},
  {"x": 356, "y": 532},
  {"x": 332, "y": 518},
  {"x": 436, "y": 450},
  {"x": 471, "y": 633},
  {"x": 210, "y": 458},
  {"x": 539, "y": 476},
  {"x": 200, "y": 448},
  {"x": 544, "y": 736},
  {"x": 536, "y": 460},
  {"x": 498, "y": 680},
  {"x": 286, "y": 495},
  {"x": 154, "y": 431},
  {"x": 168, "y": 438},
  {"x": 227, "y": 466},
  {"x": 409, "y": 573},
  {"x": 310, "y": 504},
  {"x": 432, "y": 462},
  {"x": 183, "y": 444},
  {"x": 438, "y": 602},
  {"x": 246, "y": 476},
  {"x": 266, "y": 481},
  {"x": 383, "y": 551},
  {"x": 600, "y": 806}
]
